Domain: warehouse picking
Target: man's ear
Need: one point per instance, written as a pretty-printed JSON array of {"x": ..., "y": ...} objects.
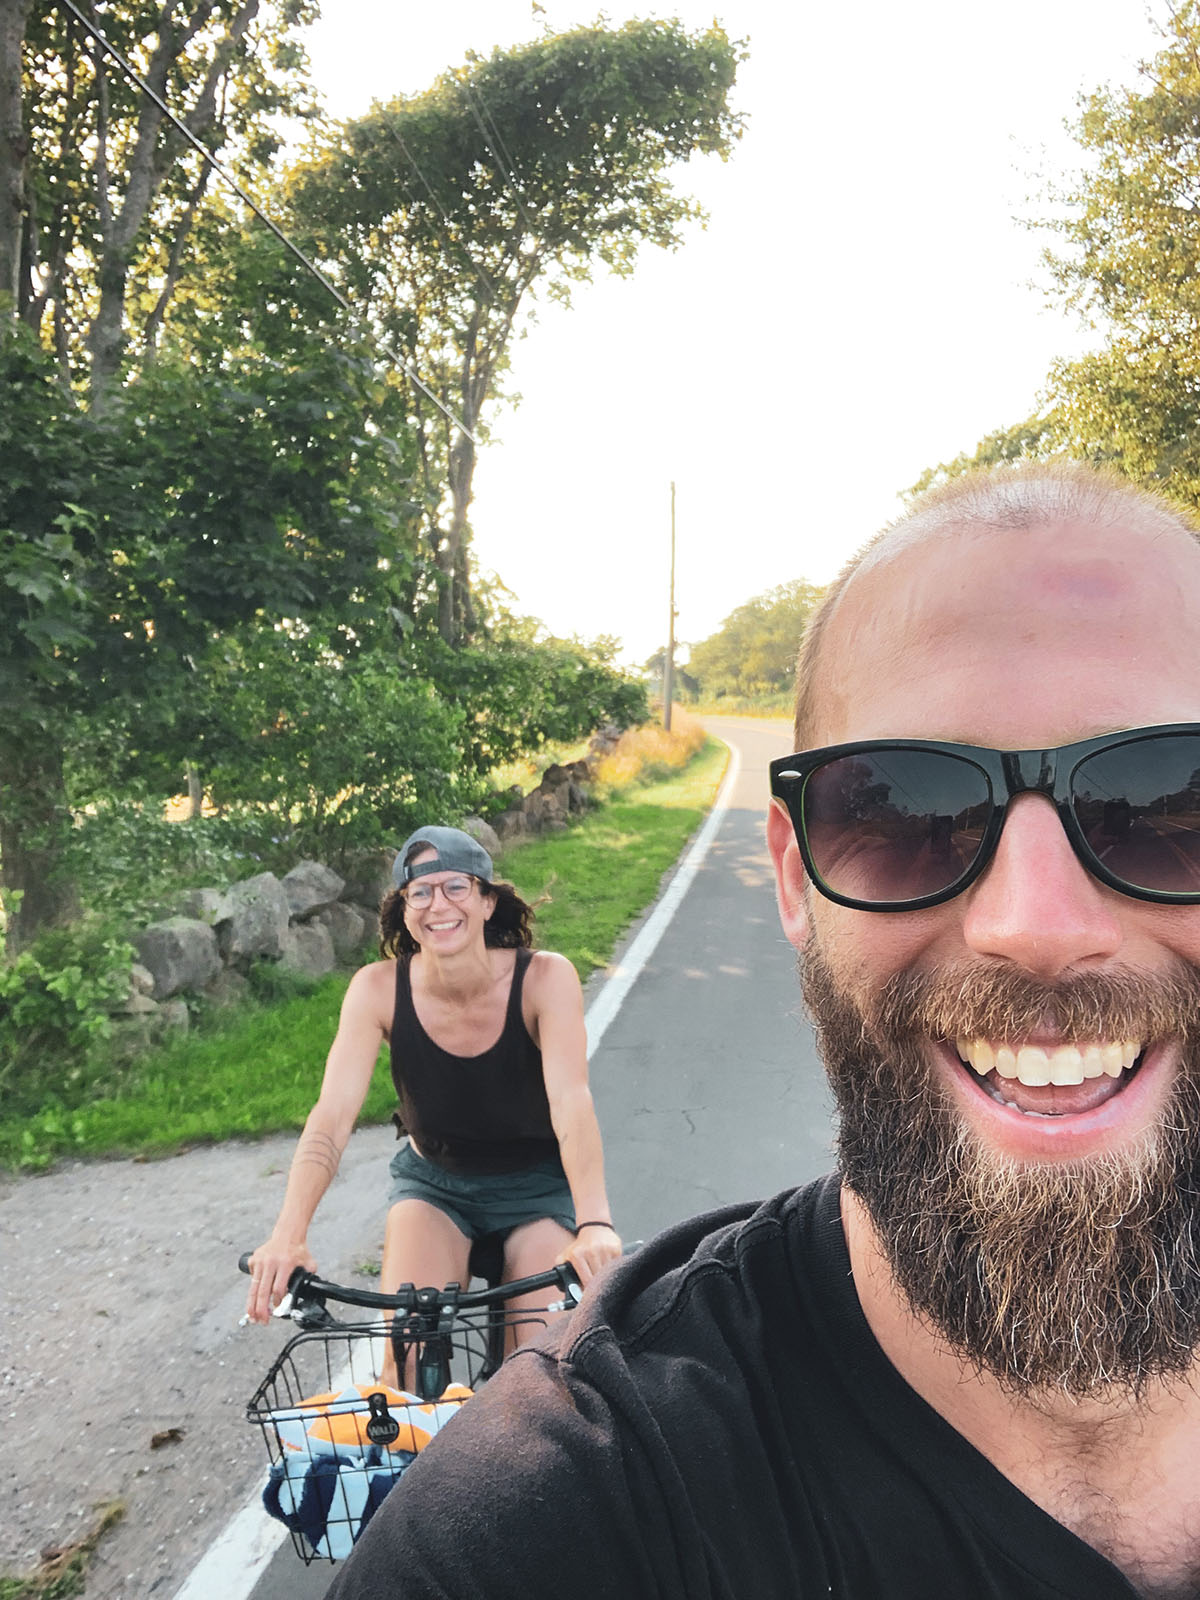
[{"x": 790, "y": 876}]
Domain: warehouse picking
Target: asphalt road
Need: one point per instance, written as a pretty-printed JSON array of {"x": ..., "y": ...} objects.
[{"x": 706, "y": 1082}]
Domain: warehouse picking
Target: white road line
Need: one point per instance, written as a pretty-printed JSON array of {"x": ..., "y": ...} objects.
[
  {"x": 237, "y": 1557},
  {"x": 624, "y": 975},
  {"x": 245, "y": 1548}
]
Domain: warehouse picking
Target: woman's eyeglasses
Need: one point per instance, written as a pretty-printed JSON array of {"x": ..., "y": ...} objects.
[
  {"x": 899, "y": 824},
  {"x": 420, "y": 895}
]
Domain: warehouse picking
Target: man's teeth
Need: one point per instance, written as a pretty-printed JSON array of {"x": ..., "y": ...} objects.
[{"x": 1035, "y": 1065}]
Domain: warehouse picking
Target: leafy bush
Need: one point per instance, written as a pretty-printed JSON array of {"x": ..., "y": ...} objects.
[
  {"x": 520, "y": 693},
  {"x": 129, "y": 861},
  {"x": 55, "y": 999},
  {"x": 347, "y": 754}
]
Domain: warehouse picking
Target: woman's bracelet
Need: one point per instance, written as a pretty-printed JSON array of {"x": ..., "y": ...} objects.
[{"x": 580, "y": 1226}]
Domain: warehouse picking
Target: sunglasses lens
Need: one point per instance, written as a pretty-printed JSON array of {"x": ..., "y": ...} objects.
[
  {"x": 1138, "y": 806},
  {"x": 894, "y": 825}
]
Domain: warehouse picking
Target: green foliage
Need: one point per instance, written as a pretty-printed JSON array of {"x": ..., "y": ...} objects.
[
  {"x": 215, "y": 502},
  {"x": 753, "y": 653},
  {"x": 684, "y": 686},
  {"x": 179, "y": 467},
  {"x": 344, "y": 753},
  {"x": 130, "y": 863},
  {"x": 1132, "y": 259},
  {"x": 521, "y": 694},
  {"x": 113, "y": 192},
  {"x": 55, "y": 1000},
  {"x": 307, "y": 753}
]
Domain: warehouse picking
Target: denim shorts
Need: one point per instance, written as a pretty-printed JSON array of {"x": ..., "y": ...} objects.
[{"x": 488, "y": 1203}]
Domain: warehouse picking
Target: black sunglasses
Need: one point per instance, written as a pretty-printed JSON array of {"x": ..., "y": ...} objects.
[{"x": 899, "y": 824}]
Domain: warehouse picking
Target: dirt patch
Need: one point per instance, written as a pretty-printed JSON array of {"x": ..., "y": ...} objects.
[{"x": 124, "y": 1374}]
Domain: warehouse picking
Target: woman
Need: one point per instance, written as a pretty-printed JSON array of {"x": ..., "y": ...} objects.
[{"x": 489, "y": 1058}]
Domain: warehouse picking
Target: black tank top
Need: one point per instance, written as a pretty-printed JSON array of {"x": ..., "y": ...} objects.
[{"x": 472, "y": 1114}]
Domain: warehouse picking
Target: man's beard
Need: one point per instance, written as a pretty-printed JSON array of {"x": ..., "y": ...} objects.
[{"x": 1070, "y": 1276}]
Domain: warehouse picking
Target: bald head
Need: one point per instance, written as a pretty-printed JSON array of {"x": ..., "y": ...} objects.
[{"x": 1021, "y": 533}]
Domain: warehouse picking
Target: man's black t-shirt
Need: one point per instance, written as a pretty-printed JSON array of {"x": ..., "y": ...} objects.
[{"x": 716, "y": 1421}]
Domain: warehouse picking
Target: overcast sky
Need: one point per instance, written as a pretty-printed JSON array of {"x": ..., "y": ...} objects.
[{"x": 862, "y": 305}]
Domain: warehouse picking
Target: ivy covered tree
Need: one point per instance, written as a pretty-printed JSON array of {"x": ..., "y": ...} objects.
[{"x": 514, "y": 175}]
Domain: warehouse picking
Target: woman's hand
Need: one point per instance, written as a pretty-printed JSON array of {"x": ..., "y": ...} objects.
[
  {"x": 595, "y": 1244},
  {"x": 271, "y": 1265}
]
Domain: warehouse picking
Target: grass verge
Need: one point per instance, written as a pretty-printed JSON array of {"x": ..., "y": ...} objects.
[
  {"x": 257, "y": 1070},
  {"x": 64, "y": 1572}
]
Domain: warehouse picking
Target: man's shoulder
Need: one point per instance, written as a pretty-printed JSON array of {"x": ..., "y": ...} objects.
[{"x": 697, "y": 1280}]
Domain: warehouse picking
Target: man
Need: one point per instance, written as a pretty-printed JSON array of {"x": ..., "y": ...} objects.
[{"x": 966, "y": 1364}]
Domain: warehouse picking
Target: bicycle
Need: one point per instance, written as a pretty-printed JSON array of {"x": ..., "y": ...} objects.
[{"x": 337, "y": 1438}]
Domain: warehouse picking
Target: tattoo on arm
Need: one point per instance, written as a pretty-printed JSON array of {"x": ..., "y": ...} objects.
[{"x": 318, "y": 1149}]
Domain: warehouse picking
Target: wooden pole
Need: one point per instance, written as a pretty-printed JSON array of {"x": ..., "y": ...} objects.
[{"x": 669, "y": 663}]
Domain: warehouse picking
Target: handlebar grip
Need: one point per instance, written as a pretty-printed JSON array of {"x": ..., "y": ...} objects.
[{"x": 298, "y": 1274}]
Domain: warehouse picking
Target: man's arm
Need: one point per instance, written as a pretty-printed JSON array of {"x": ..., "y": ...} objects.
[{"x": 525, "y": 1494}]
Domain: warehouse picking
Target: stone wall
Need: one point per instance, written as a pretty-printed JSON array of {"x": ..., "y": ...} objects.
[
  {"x": 310, "y": 921},
  {"x": 562, "y": 792}
]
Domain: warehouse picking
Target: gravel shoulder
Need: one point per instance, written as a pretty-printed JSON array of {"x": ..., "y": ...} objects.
[{"x": 119, "y": 1321}]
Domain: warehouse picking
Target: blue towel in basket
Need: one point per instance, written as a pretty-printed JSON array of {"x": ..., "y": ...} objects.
[
  {"x": 330, "y": 1498},
  {"x": 330, "y": 1479}
]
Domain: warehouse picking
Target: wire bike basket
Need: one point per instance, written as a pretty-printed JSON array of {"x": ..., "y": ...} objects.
[{"x": 338, "y": 1439}]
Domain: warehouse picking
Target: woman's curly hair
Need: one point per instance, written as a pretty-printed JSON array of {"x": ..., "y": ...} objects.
[{"x": 508, "y": 928}]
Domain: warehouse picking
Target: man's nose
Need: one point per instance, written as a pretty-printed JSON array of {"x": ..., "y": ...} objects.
[{"x": 1036, "y": 904}]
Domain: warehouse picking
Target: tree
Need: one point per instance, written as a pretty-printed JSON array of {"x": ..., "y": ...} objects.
[
  {"x": 131, "y": 541},
  {"x": 111, "y": 190},
  {"x": 1129, "y": 259},
  {"x": 1132, "y": 262},
  {"x": 179, "y": 466},
  {"x": 444, "y": 212},
  {"x": 753, "y": 653},
  {"x": 13, "y": 15},
  {"x": 654, "y": 668}
]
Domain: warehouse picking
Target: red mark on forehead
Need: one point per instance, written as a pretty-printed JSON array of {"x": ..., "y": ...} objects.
[{"x": 1091, "y": 582}]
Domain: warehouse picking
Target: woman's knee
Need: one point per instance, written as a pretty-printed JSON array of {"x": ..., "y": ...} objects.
[
  {"x": 423, "y": 1245},
  {"x": 534, "y": 1247}
]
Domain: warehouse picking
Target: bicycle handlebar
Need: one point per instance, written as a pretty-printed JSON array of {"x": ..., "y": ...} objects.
[{"x": 304, "y": 1285}]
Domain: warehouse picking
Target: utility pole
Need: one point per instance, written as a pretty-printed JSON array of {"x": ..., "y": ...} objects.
[{"x": 669, "y": 663}]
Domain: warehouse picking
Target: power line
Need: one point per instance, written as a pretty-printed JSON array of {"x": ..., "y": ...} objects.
[
  {"x": 309, "y": 266},
  {"x": 505, "y": 171},
  {"x": 393, "y": 129}
]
